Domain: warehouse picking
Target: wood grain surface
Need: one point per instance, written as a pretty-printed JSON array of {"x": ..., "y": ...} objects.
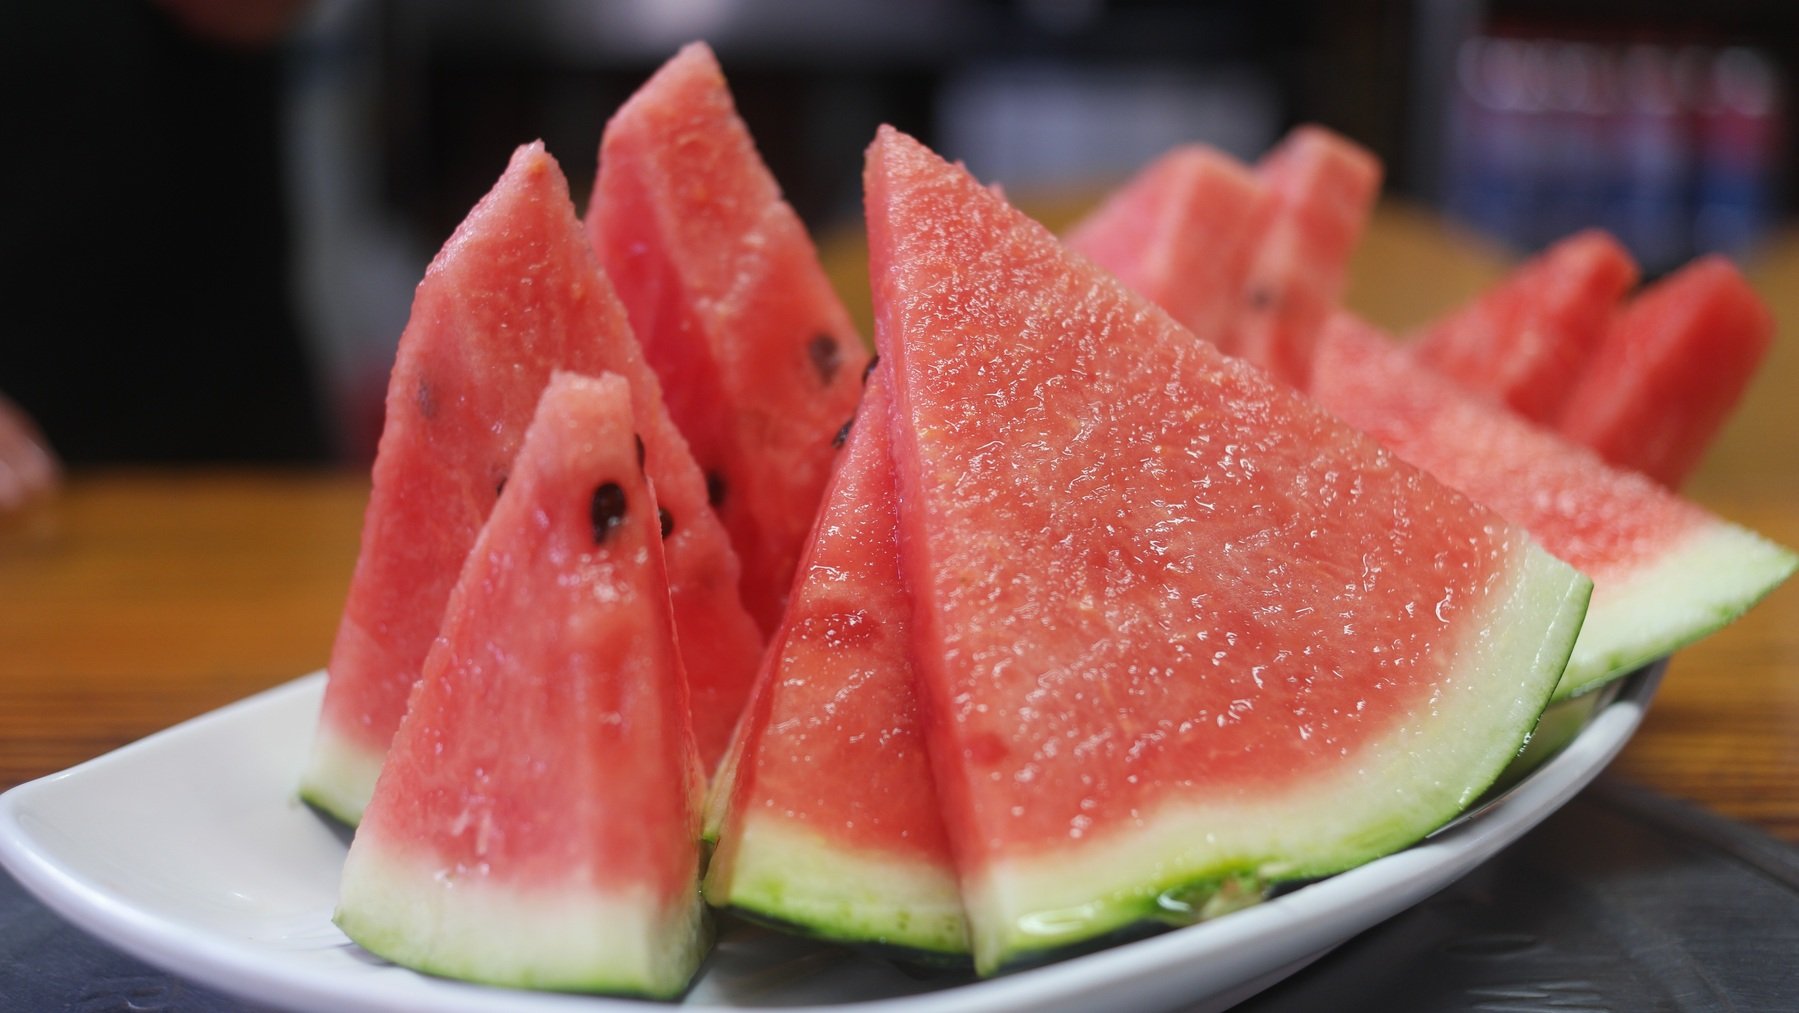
[{"x": 136, "y": 599}]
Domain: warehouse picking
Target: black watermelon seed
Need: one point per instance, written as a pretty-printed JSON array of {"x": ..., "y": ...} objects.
[
  {"x": 844, "y": 432},
  {"x": 715, "y": 488},
  {"x": 500, "y": 486},
  {"x": 608, "y": 510},
  {"x": 639, "y": 440},
  {"x": 667, "y": 519},
  {"x": 1260, "y": 298},
  {"x": 826, "y": 356},
  {"x": 870, "y": 368}
]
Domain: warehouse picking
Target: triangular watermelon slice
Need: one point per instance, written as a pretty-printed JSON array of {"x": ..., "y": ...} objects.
[
  {"x": 1179, "y": 234},
  {"x": 515, "y": 294},
  {"x": 536, "y": 823},
  {"x": 758, "y": 358},
  {"x": 1665, "y": 572},
  {"x": 1177, "y": 631},
  {"x": 832, "y": 825},
  {"x": 1523, "y": 341},
  {"x": 1669, "y": 370},
  {"x": 1324, "y": 188}
]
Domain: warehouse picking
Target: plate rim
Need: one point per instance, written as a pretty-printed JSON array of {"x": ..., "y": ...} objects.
[{"x": 1396, "y": 881}]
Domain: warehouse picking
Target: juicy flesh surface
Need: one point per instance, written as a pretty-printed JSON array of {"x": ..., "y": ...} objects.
[
  {"x": 1669, "y": 370},
  {"x": 726, "y": 293},
  {"x": 1524, "y": 341},
  {"x": 1140, "y": 570},
  {"x": 1179, "y": 235},
  {"x": 1604, "y": 521},
  {"x": 547, "y": 743},
  {"x": 514, "y": 294},
  {"x": 837, "y": 744},
  {"x": 1323, "y": 189}
]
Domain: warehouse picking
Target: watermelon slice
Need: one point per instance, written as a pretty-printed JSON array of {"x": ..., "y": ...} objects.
[
  {"x": 536, "y": 823},
  {"x": 1669, "y": 370},
  {"x": 1524, "y": 341},
  {"x": 1324, "y": 188},
  {"x": 759, "y": 359},
  {"x": 832, "y": 824},
  {"x": 1665, "y": 572},
  {"x": 1179, "y": 235},
  {"x": 1178, "y": 632},
  {"x": 514, "y": 294}
]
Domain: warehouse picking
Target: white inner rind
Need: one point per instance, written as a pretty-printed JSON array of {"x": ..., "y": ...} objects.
[
  {"x": 340, "y": 776},
  {"x": 1392, "y": 792},
  {"x": 784, "y": 870},
  {"x": 565, "y": 937},
  {"x": 1712, "y": 576}
]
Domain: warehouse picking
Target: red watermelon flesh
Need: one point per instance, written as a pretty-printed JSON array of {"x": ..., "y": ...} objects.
[
  {"x": 514, "y": 294},
  {"x": 758, "y": 357},
  {"x": 1324, "y": 188},
  {"x": 1664, "y": 571},
  {"x": 1177, "y": 631},
  {"x": 536, "y": 823},
  {"x": 832, "y": 823},
  {"x": 1524, "y": 341},
  {"x": 1669, "y": 370},
  {"x": 1178, "y": 234}
]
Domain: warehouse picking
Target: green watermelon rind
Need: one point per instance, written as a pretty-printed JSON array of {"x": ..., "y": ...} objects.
[
  {"x": 1702, "y": 583},
  {"x": 1562, "y": 720},
  {"x": 715, "y": 806},
  {"x": 1056, "y": 902},
  {"x": 340, "y": 776},
  {"x": 786, "y": 875},
  {"x": 562, "y": 937}
]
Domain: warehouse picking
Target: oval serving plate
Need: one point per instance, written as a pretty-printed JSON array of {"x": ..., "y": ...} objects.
[{"x": 189, "y": 850}]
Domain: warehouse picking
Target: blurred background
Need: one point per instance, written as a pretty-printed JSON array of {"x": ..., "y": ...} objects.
[{"x": 217, "y": 209}]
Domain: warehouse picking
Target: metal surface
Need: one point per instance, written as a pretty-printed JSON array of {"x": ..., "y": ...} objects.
[{"x": 1622, "y": 901}]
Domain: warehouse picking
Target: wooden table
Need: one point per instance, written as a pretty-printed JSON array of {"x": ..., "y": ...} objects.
[{"x": 139, "y": 598}]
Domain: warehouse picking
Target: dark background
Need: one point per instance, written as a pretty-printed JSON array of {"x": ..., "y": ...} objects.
[{"x": 210, "y": 243}]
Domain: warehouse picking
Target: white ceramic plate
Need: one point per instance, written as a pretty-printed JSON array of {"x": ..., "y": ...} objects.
[{"x": 189, "y": 850}]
